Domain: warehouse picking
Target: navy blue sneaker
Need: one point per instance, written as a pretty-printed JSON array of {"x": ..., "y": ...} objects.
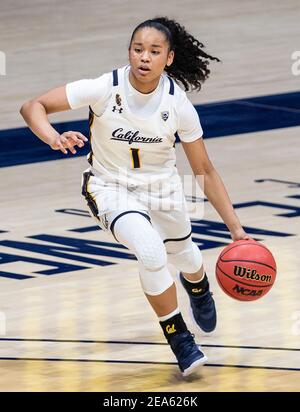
[
  {"x": 202, "y": 308},
  {"x": 188, "y": 355}
]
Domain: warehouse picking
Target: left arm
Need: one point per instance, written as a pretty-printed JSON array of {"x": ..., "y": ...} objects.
[{"x": 214, "y": 187}]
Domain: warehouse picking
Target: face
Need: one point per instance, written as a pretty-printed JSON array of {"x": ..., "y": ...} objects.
[{"x": 149, "y": 55}]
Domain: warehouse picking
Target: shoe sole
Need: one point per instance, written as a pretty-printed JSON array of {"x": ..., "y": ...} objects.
[
  {"x": 191, "y": 312},
  {"x": 195, "y": 366}
]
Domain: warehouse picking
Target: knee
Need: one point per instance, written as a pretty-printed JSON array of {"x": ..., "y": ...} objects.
[
  {"x": 150, "y": 250},
  {"x": 136, "y": 233},
  {"x": 185, "y": 255},
  {"x": 152, "y": 256}
]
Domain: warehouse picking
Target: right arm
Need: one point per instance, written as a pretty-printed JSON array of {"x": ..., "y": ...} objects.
[{"x": 35, "y": 113}]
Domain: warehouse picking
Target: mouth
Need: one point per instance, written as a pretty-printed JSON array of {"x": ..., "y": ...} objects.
[{"x": 143, "y": 70}]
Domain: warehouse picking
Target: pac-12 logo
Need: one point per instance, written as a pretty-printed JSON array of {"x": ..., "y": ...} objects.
[{"x": 165, "y": 116}]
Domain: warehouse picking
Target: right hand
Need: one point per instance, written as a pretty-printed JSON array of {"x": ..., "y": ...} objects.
[{"x": 68, "y": 140}]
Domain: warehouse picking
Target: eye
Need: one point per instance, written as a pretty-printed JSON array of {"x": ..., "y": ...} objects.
[
  {"x": 137, "y": 50},
  {"x": 155, "y": 52}
]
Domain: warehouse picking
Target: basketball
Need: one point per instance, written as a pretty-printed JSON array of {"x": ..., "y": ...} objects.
[{"x": 246, "y": 270}]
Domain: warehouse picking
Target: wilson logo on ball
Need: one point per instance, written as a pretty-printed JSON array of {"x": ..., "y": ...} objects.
[{"x": 249, "y": 273}]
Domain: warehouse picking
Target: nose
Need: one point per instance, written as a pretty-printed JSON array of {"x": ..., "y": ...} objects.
[{"x": 145, "y": 57}]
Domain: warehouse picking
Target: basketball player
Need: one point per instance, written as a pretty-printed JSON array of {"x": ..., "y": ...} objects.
[{"x": 132, "y": 186}]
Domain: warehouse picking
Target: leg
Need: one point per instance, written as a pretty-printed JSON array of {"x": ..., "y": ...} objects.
[
  {"x": 175, "y": 229},
  {"x": 194, "y": 277},
  {"x": 137, "y": 234},
  {"x": 171, "y": 224},
  {"x": 186, "y": 256},
  {"x": 165, "y": 303}
]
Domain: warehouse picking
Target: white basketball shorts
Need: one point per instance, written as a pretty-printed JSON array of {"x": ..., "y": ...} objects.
[{"x": 163, "y": 204}]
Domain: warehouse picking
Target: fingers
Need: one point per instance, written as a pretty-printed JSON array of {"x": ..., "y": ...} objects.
[
  {"x": 240, "y": 235},
  {"x": 68, "y": 140},
  {"x": 247, "y": 237},
  {"x": 67, "y": 144},
  {"x": 77, "y": 138},
  {"x": 81, "y": 137},
  {"x": 71, "y": 139},
  {"x": 59, "y": 146}
]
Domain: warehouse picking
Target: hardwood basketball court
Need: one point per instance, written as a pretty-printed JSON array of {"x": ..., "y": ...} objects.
[{"x": 73, "y": 316}]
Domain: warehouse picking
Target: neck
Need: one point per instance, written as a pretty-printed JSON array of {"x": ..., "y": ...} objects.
[{"x": 143, "y": 87}]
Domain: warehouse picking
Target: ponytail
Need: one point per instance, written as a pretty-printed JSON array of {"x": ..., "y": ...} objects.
[{"x": 190, "y": 64}]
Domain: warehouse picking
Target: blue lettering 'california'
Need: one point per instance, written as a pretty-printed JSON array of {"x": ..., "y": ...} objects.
[{"x": 131, "y": 137}]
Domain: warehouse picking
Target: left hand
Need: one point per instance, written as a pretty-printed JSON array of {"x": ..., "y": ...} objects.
[{"x": 240, "y": 234}]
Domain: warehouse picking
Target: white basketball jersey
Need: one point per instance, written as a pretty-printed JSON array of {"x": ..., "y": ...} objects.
[{"x": 129, "y": 149}]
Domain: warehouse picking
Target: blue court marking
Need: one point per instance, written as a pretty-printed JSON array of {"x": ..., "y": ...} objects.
[
  {"x": 85, "y": 229},
  {"x": 220, "y": 119},
  {"x": 250, "y": 115},
  {"x": 86, "y": 253},
  {"x": 11, "y": 275}
]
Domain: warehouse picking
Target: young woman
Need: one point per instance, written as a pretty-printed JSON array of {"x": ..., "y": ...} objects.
[{"x": 132, "y": 186}]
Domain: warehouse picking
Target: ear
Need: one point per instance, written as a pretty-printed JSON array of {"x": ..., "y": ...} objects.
[{"x": 170, "y": 58}]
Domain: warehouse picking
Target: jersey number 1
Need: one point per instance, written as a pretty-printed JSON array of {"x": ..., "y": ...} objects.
[{"x": 135, "y": 158}]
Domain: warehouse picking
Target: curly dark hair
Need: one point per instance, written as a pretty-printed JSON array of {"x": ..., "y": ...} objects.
[{"x": 190, "y": 61}]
